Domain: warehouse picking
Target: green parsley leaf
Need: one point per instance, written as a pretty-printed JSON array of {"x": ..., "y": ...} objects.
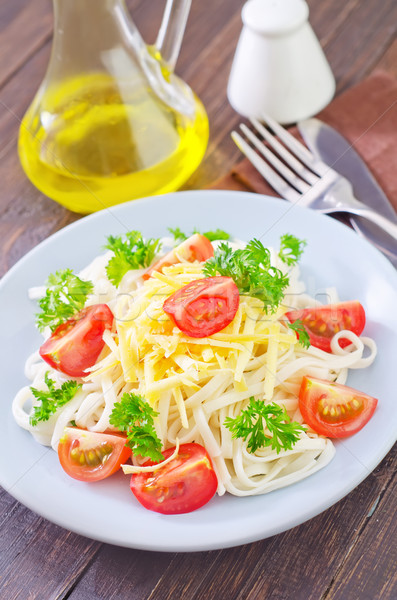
[
  {"x": 291, "y": 249},
  {"x": 130, "y": 252},
  {"x": 134, "y": 416},
  {"x": 217, "y": 234},
  {"x": 251, "y": 270},
  {"x": 52, "y": 399},
  {"x": 250, "y": 425},
  {"x": 300, "y": 330},
  {"x": 66, "y": 295},
  {"x": 178, "y": 235}
]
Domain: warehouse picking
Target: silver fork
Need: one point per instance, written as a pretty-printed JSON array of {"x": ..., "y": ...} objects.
[{"x": 300, "y": 177}]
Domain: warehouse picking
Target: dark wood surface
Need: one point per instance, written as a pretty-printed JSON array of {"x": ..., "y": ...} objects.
[{"x": 347, "y": 553}]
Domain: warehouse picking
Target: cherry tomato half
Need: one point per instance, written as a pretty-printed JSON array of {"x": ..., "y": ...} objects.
[
  {"x": 76, "y": 344},
  {"x": 197, "y": 247},
  {"x": 91, "y": 456},
  {"x": 183, "y": 485},
  {"x": 323, "y": 322},
  {"x": 204, "y": 306},
  {"x": 332, "y": 409}
]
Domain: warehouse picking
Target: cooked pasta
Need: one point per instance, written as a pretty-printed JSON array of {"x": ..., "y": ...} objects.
[{"x": 196, "y": 383}]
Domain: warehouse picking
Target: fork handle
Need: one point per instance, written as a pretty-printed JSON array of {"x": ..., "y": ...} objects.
[{"x": 374, "y": 217}]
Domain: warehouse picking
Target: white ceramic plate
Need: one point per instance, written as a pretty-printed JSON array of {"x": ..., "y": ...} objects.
[{"x": 107, "y": 511}]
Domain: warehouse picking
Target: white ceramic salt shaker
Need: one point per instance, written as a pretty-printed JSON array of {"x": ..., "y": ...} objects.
[{"x": 279, "y": 67}]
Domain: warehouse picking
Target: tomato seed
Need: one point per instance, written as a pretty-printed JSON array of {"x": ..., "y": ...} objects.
[
  {"x": 92, "y": 457},
  {"x": 75, "y": 454}
]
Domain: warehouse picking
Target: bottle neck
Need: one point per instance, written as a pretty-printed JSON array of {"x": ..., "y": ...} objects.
[
  {"x": 87, "y": 16},
  {"x": 88, "y": 32},
  {"x": 98, "y": 36}
]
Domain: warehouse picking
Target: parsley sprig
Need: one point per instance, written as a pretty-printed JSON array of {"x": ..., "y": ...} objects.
[
  {"x": 250, "y": 425},
  {"x": 291, "y": 249},
  {"x": 130, "y": 252},
  {"x": 251, "y": 270},
  {"x": 52, "y": 398},
  {"x": 66, "y": 295},
  {"x": 180, "y": 236},
  {"x": 301, "y": 332},
  {"x": 134, "y": 416}
]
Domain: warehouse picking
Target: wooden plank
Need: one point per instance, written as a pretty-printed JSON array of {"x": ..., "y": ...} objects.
[
  {"x": 388, "y": 61},
  {"x": 327, "y": 17},
  {"x": 369, "y": 570},
  {"x": 364, "y": 37},
  {"x": 122, "y": 573},
  {"x": 38, "y": 559},
  {"x": 24, "y": 28}
]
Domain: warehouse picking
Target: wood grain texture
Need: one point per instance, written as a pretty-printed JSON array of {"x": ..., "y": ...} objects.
[
  {"x": 32, "y": 554},
  {"x": 388, "y": 62},
  {"x": 348, "y": 552},
  {"x": 369, "y": 570},
  {"x": 365, "y": 36},
  {"x": 24, "y": 28}
]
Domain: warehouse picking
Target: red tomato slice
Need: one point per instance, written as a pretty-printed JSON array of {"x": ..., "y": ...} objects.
[
  {"x": 91, "y": 456},
  {"x": 183, "y": 485},
  {"x": 204, "y": 306},
  {"x": 76, "y": 344},
  {"x": 197, "y": 247},
  {"x": 332, "y": 409},
  {"x": 323, "y": 322}
]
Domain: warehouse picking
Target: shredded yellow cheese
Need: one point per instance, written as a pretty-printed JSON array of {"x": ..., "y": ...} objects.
[{"x": 157, "y": 358}]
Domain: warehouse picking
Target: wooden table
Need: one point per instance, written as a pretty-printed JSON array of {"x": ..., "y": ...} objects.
[{"x": 348, "y": 552}]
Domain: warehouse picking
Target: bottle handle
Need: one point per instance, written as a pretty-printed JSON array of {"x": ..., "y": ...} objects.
[{"x": 172, "y": 28}]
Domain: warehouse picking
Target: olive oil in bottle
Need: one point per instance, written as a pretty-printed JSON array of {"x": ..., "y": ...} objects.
[{"x": 91, "y": 142}]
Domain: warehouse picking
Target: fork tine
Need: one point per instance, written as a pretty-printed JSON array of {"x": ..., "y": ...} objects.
[
  {"x": 289, "y": 175},
  {"x": 289, "y": 158},
  {"x": 295, "y": 146},
  {"x": 277, "y": 183}
]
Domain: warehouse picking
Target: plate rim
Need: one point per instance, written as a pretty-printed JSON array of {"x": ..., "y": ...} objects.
[{"x": 101, "y": 215}]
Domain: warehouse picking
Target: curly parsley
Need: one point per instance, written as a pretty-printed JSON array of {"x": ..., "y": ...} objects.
[
  {"x": 66, "y": 295},
  {"x": 130, "y": 252},
  {"x": 251, "y": 270},
  {"x": 52, "y": 399},
  {"x": 134, "y": 416},
  {"x": 217, "y": 234},
  {"x": 250, "y": 424},
  {"x": 291, "y": 249}
]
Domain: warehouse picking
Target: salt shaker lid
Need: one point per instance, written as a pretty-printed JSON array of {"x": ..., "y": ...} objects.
[{"x": 274, "y": 17}]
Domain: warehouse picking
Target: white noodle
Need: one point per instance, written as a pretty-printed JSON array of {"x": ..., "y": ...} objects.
[{"x": 194, "y": 384}]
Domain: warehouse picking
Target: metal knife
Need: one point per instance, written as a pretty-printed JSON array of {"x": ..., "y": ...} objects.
[{"x": 333, "y": 149}]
